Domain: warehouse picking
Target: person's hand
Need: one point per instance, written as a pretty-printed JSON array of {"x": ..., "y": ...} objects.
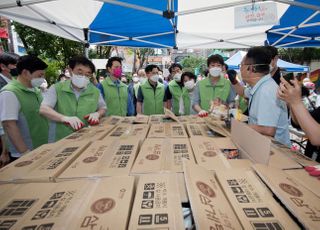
[
  {"x": 290, "y": 93},
  {"x": 93, "y": 118},
  {"x": 313, "y": 170},
  {"x": 73, "y": 122},
  {"x": 203, "y": 113},
  {"x": 4, "y": 159}
]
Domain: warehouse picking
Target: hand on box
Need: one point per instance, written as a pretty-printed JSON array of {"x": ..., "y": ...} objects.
[
  {"x": 93, "y": 118},
  {"x": 203, "y": 113},
  {"x": 313, "y": 170},
  {"x": 73, "y": 122}
]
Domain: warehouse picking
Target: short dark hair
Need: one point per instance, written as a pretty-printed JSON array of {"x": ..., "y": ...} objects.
[
  {"x": 273, "y": 51},
  {"x": 188, "y": 74},
  {"x": 175, "y": 65},
  {"x": 31, "y": 63},
  {"x": 111, "y": 60},
  {"x": 149, "y": 68},
  {"x": 8, "y": 58},
  {"x": 261, "y": 58},
  {"x": 81, "y": 60},
  {"x": 61, "y": 76},
  {"x": 216, "y": 58}
]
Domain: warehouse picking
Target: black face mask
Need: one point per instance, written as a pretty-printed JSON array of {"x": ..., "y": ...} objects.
[{"x": 14, "y": 72}]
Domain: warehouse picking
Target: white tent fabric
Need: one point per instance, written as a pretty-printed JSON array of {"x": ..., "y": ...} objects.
[{"x": 234, "y": 61}]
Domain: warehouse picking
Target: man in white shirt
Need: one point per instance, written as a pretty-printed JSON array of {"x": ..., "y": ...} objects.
[{"x": 8, "y": 64}]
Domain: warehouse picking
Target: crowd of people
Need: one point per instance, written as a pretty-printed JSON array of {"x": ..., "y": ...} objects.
[{"x": 31, "y": 117}]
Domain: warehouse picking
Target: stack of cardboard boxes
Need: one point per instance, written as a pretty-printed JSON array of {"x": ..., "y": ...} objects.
[{"x": 134, "y": 173}]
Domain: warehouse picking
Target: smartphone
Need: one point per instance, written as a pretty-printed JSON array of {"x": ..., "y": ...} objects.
[{"x": 288, "y": 77}]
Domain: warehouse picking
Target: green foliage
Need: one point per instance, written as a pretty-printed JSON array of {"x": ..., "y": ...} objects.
[
  {"x": 52, "y": 72},
  {"x": 48, "y": 46},
  {"x": 300, "y": 55},
  {"x": 192, "y": 62}
]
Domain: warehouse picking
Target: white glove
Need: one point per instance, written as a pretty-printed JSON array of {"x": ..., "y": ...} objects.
[
  {"x": 93, "y": 118},
  {"x": 74, "y": 122},
  {"x": 203, "y": 113}
]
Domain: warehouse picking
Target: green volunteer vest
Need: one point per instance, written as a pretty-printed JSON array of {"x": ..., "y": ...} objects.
[
  {"x": 208, "y": 92},
  {"x": 243, "y": 104},
  {"x": 152, "y": 100},
  {"x": 177, "y": 92},
  {"x": 136, "y": 88},
  {"x": 115, "y": 98},
  {"x": 30, "y": 102},
  {"x": 68, "y": 105}
]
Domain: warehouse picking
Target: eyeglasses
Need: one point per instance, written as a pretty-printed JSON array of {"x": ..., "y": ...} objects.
[{"x": 252, "y": 65}]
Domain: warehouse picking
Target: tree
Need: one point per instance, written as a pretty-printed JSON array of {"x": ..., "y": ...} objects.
[
  {"x": 300, "y": 55},
  {"x": 142, "y": 55},
  {"x": 48, "y": 46},
  {"x": 192, "y": 62}
]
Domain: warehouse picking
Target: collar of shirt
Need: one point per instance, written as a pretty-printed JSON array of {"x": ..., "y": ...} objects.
[
  {"x": 5, "y": 78},
  {"x": 259, "y": 83},
  {"x": 74, "y": 90},
  {"x": 116, "y": 82}
]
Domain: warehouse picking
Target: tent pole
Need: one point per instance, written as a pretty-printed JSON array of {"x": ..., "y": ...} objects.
[{"x": 19, "y": 3}]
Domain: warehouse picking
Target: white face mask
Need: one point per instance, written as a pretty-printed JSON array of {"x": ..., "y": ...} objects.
[
  {"x": 80, "y": 81},
  {"x": 135, "y": 79},
  {"x": 215, "y": 71},
  {"x": 154, "y": 78},
  {"x": 177, "y": 77},
  {"x": 189, "y": 84},
  {"x": 36, "y": 82}
]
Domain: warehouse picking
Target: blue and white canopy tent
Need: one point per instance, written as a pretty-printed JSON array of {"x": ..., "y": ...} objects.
[
  {"x": 154, "y": 23},
  {"x": 234, "y": 61}
]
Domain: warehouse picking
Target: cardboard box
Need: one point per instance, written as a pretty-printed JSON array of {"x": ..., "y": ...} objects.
[
  {"x": 172, "y": 130},
  {"x": 295, "y": 156},
  {"x": 92, "y": 133},
  {"x": 159, "y": 155},
  {"x": 281, "y": 161},
  {"x": 210, "y": 207},
  {"x": 217, "y": 126},
  {"x": 123, "y": 131},
  {"x": 191, "y": 119},
  {"x": 254, "y": 145},
  {"x": 252, "y": 201},
  {"x": 25, "y": 164},
  {"x": 159, "y": 118},
  {"x": 112, "y": 120},
  {"x": 157, "y": 203},
  {"x": 208, "y": 153},
  {"x": 302, "y": 203},
  {"x": 54, "y": 165},
  {"x": 182, "y": 188},
  {"x": 83, "y": 204},
  {"x": 309, "y": 182},
  {"x": 104, "y": 158},
  {"x": 200, "y": 130}
]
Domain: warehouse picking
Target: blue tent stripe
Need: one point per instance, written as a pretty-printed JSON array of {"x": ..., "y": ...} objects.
[
  {"x": 293, "y": 17},
  {"x": 128, "y": 22}
]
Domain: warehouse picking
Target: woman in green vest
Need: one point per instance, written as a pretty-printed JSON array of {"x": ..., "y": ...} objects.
[
  {"x": 151, "y": 94},
  {"x": 75, "y": 103},
  {"x": 114, "y": 91},
  {"x": 189, "y": 82},
  {"x": 213, "y": 87},
  {"x": 20, "y": 102}
]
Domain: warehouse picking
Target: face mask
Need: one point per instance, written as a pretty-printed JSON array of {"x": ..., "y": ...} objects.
[
  {"x": 154, "y": 78},
  {"x": 14, "y": 72},
  {"x": 189, "y": 84},
  {"x": 135, "y": 79},
  {"x": 79, "y": 81},
  {"x": 215, "y": 71},
  {"x": 177, "y": 77},
  {"x": 271, "y": 68},
  {"x": 117, "y": 72},
  {"x": 36, "y": 82}
]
